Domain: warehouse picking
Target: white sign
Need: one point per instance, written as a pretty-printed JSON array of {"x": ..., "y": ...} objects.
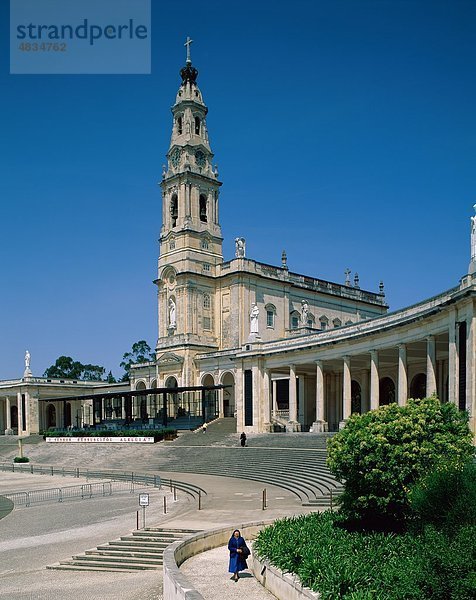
[
  {"x": 101, "y": 440},
  {"x": 143, "y": 499}
]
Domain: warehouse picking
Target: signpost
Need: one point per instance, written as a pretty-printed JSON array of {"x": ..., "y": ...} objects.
[{"x": 143, "y": 501}]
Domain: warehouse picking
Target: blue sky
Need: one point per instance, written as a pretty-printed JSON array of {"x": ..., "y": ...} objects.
[{"x": 344, "y": 132}]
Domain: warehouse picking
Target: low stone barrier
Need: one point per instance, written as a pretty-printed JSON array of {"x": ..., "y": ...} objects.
[{"x": 178, "y": 587}]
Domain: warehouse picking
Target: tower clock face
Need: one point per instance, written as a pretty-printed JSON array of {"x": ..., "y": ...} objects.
[
  {"x": 200, "y": 158},
  {"x": 175, "y": 157}
]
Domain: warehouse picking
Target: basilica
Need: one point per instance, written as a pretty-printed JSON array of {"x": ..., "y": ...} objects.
[{"x": 278, "y": 350}]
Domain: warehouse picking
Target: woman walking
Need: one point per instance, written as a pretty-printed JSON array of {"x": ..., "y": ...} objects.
[{"x": 239, "y": 552}]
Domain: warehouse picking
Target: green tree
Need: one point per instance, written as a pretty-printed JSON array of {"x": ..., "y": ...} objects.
[
  {"x": 67, "y": 368},
  {"x": 140, "y": 353},
  {"x": 380, "y": 454}
]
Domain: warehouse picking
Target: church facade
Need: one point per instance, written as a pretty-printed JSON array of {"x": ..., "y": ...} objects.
[
  {"x": 292, "y": 351},
  {"x": 289, "y": 352}
]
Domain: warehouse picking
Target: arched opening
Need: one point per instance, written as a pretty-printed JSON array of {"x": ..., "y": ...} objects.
[
  {"x": 172, "y": 407},
  {"x": 203, "y": 209},
  {"x": 386, "y": 391},
  {"x": 356, "y": 397},
  {"x": 174, "y": 209},
  {"x": 179, "y": 125},
  {"x": 140, "y": 411},
  {"x": 418, "y": 386},
  {"x": 323, "y": 322},
  {"x": 197, "y": 125},
  {"x": 229, "y": 395},
  {"x": 50, "y": 416},
  {"x": 14, "y": 416},
  {"x": 209, "y": 400},
  {"x": 67, "y": 415},
  {"x": 294, "y": 319}
]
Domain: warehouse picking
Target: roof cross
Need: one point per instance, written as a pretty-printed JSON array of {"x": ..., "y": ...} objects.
[{"x": 187, "y": 43}]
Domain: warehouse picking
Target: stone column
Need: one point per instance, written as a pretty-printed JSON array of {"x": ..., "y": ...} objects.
[
  {"x": 221, "y": 409},
  {"x": 275, "y": 400},
  {"x": 319, "y": 424},
  {"x": 267, "y": 426},
  {"x": 20, "y": 412},
  {"x": 8, "y": 416},
  {"x": 301, "y": 399},
  {"x": 470, "y": 370},
  {"x": 402, "y": 375},
  {"x": 346, "y": 393},
  {"x": 293, "y": 424},
  {"x": 364, "y": 390},
  {"x": 430, "y": 365},
  {"x": 374, "y": 380}
]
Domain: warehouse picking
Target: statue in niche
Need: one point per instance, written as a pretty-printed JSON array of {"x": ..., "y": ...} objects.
[
  {"x": 254, "y": 314},
  {"x": 172, "y": 314},
  {"x": 304, "y": 312},
  {"x": 240, "y": 247}
]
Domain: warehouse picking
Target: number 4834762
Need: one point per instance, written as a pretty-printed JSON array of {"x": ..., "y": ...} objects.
[{"x": 43, "y": 47}]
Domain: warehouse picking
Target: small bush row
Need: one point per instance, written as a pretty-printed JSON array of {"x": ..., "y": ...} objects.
[
  {"x": 21, "y": 459},
  {"x": 157, "y": 434}
]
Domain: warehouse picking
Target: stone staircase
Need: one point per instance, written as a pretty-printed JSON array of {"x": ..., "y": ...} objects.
[
  {"x": 142, "y": 550},
  {"x": 293, "y": 461}
]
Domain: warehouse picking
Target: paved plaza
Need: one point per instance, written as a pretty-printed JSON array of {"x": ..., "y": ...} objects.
[{"x": 34, "y": 537}]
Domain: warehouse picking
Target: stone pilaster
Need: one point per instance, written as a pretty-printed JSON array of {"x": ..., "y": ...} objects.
[
  {"x": 374, "y": 380},
  {"x": 402, "y": 375},
  {"x": 430, "y": 365},
  {"x": 319, "y": 424},
  {"x": 346, "y": 392}
]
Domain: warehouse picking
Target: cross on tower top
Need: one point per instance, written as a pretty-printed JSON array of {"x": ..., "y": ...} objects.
[{"x": 187, "y": 43}]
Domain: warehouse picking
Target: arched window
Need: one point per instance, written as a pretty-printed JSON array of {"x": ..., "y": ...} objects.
[
  {"x": 418, "y": 386},
  {"x": 336, "y": 322},
  {"x": 356, "y": 397},
  {"x": 206, "y": 301},
  {"x": 174, "y": 209},
  {"x": 324, "y": 322},
  {"x": 179, "y": 125},
  {"x": 197, "y": 125},
  {"x": 386, "y": 391},
  {"x": 295, "y": 318},
  {"x": 203, "y": 208},
  {"x": 270, "y": 315}
]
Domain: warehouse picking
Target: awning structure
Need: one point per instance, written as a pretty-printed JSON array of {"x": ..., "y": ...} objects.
[{"x": 98, "y": 400}]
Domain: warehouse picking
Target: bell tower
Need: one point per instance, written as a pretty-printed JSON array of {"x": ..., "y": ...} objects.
[
  {"x": 190, "y": 238},
  {"x": 191, "y": 234}
]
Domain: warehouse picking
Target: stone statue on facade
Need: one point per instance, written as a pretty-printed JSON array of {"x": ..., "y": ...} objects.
[
  {"x": 172, "y": 314},
  {"x": 240, "y": 247},
  {"x": 254, "y": 315},
  {"x": 304, "y": 312},
  {"x": 473, "y": 236},
  {"x": 27, "y": 372}
]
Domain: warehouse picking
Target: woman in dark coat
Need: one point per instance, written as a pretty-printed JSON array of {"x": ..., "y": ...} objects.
[{"x": 238, "y": 552}]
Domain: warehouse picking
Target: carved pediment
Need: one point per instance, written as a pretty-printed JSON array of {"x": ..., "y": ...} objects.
[{"x": 169, "y": 358}]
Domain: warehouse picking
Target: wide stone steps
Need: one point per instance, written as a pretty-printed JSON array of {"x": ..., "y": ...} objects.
[
  {"x": 142, "y": 550},
  {"x": 302, "y": 472}
]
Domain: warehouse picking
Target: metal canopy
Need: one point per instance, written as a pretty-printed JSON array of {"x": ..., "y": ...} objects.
[{"x": 131, "y": 393}]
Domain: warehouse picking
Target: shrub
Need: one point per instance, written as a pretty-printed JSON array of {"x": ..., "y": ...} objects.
[
  {"x": 380, "y": 454},
  {"x": 21, "y": 459},
  {"x": 446, "y": 498},
  {"x": 371, "y": 566}
]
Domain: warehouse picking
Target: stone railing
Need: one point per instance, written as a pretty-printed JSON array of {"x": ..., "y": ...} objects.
[{"x": 178, "y": 587}]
